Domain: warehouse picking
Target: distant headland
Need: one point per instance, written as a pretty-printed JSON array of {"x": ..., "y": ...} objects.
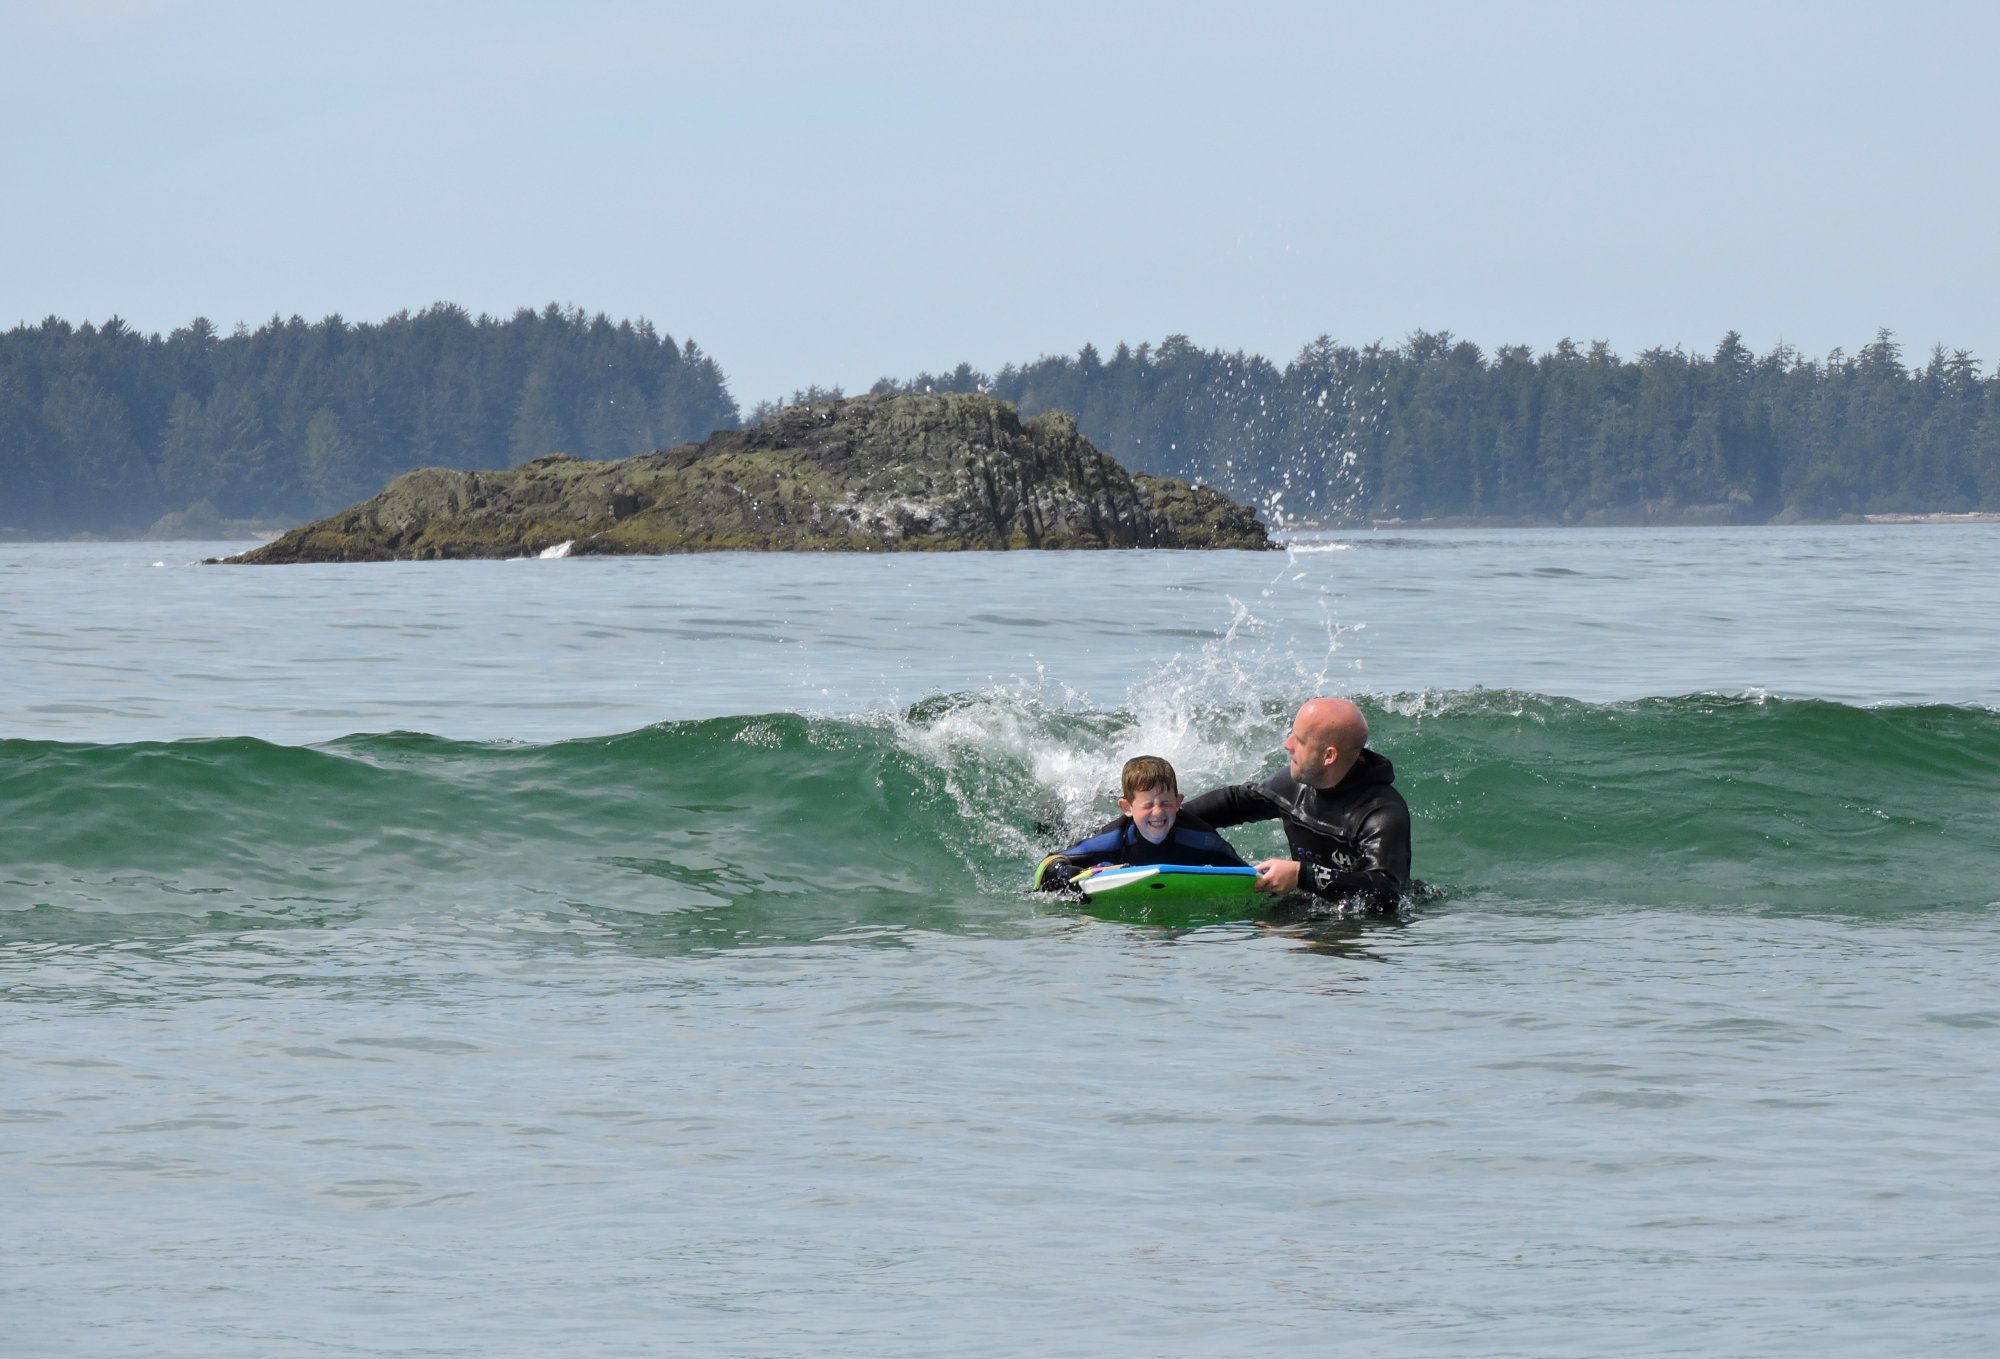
[{"x": 895, "y": 473}]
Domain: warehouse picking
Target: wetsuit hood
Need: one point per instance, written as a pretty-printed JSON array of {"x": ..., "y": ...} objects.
[{"x": 1369, "y": 771}]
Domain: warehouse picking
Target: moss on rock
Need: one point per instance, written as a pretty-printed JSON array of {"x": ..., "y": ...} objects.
[{"x": 897, "y": 473}]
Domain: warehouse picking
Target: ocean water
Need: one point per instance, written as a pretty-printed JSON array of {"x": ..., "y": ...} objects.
[{"x": 627, "y": 957}]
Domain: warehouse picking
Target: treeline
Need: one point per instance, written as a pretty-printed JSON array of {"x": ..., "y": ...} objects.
[
  {"x": 1437, "y": 428},
  {"x": 105, "y": 429}
]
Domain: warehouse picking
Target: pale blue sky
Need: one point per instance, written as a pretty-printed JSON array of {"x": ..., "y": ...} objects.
[{"x": 831, "y": 193}]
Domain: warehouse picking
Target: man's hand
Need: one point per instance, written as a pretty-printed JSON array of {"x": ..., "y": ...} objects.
[{"x": 1277, "y": 876}]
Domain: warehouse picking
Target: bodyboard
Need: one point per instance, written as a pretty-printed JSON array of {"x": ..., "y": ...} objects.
[{"x": 1169, "y": 894}]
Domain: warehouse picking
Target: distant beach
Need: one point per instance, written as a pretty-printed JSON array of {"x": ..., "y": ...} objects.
[{"x": 1969, "y": 517}]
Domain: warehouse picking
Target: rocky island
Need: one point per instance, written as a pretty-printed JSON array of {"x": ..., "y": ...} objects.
[{"x": 888, "y": 473}]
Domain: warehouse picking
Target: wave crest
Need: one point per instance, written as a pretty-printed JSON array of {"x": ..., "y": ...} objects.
[{"x": 779, "y": 825}]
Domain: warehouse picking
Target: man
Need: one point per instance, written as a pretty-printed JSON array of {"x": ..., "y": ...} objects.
[{"x": 1348, "y": 828}]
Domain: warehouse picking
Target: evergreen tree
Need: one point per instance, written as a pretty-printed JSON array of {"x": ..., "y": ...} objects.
[
  {"x": 332, "y": 472},
  {"x": 90, "y": 445}
]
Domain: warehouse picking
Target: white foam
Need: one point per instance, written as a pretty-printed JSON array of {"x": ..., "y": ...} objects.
[
  {"x": 1217, "y": 710},
  {"x": 559, "y": 550}
]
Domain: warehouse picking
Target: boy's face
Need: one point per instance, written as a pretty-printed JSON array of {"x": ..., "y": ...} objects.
[{"x": 1153, "y": 811}]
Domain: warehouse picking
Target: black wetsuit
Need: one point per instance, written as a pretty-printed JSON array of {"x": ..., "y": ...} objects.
[
  {"x": 1191, "y": 841},
  {"x": 1352, "y": 840}
]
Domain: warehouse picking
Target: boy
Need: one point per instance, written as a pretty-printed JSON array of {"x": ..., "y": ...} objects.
[{"x": 1149, "y": 831}]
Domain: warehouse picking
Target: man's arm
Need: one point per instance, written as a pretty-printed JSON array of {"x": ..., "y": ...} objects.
[{"x": 1233, "y": 805}]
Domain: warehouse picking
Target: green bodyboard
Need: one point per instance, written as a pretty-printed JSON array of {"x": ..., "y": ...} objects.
[{"x": 1169, "y": 894}]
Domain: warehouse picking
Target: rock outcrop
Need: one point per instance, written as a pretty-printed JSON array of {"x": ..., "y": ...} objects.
[{"x": 873, "y": 473}]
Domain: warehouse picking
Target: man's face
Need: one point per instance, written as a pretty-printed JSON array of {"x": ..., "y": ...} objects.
[
  {"x": 1307, "y": 757},
  {"x": 1152, "y": 811}
]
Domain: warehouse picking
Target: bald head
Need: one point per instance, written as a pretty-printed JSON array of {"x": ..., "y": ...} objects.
[{"x": 1326, "y": 740}]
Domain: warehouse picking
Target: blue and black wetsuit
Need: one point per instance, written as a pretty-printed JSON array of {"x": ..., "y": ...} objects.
[{"x": 1191, "y": 841}]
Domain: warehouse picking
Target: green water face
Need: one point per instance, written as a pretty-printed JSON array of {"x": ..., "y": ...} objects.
[{"x": 782, "y": 827}]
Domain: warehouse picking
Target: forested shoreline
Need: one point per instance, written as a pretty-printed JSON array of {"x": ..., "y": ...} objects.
[
  {"x": 105, "y": 430},
  {"x": 1434, "y": 428}
]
